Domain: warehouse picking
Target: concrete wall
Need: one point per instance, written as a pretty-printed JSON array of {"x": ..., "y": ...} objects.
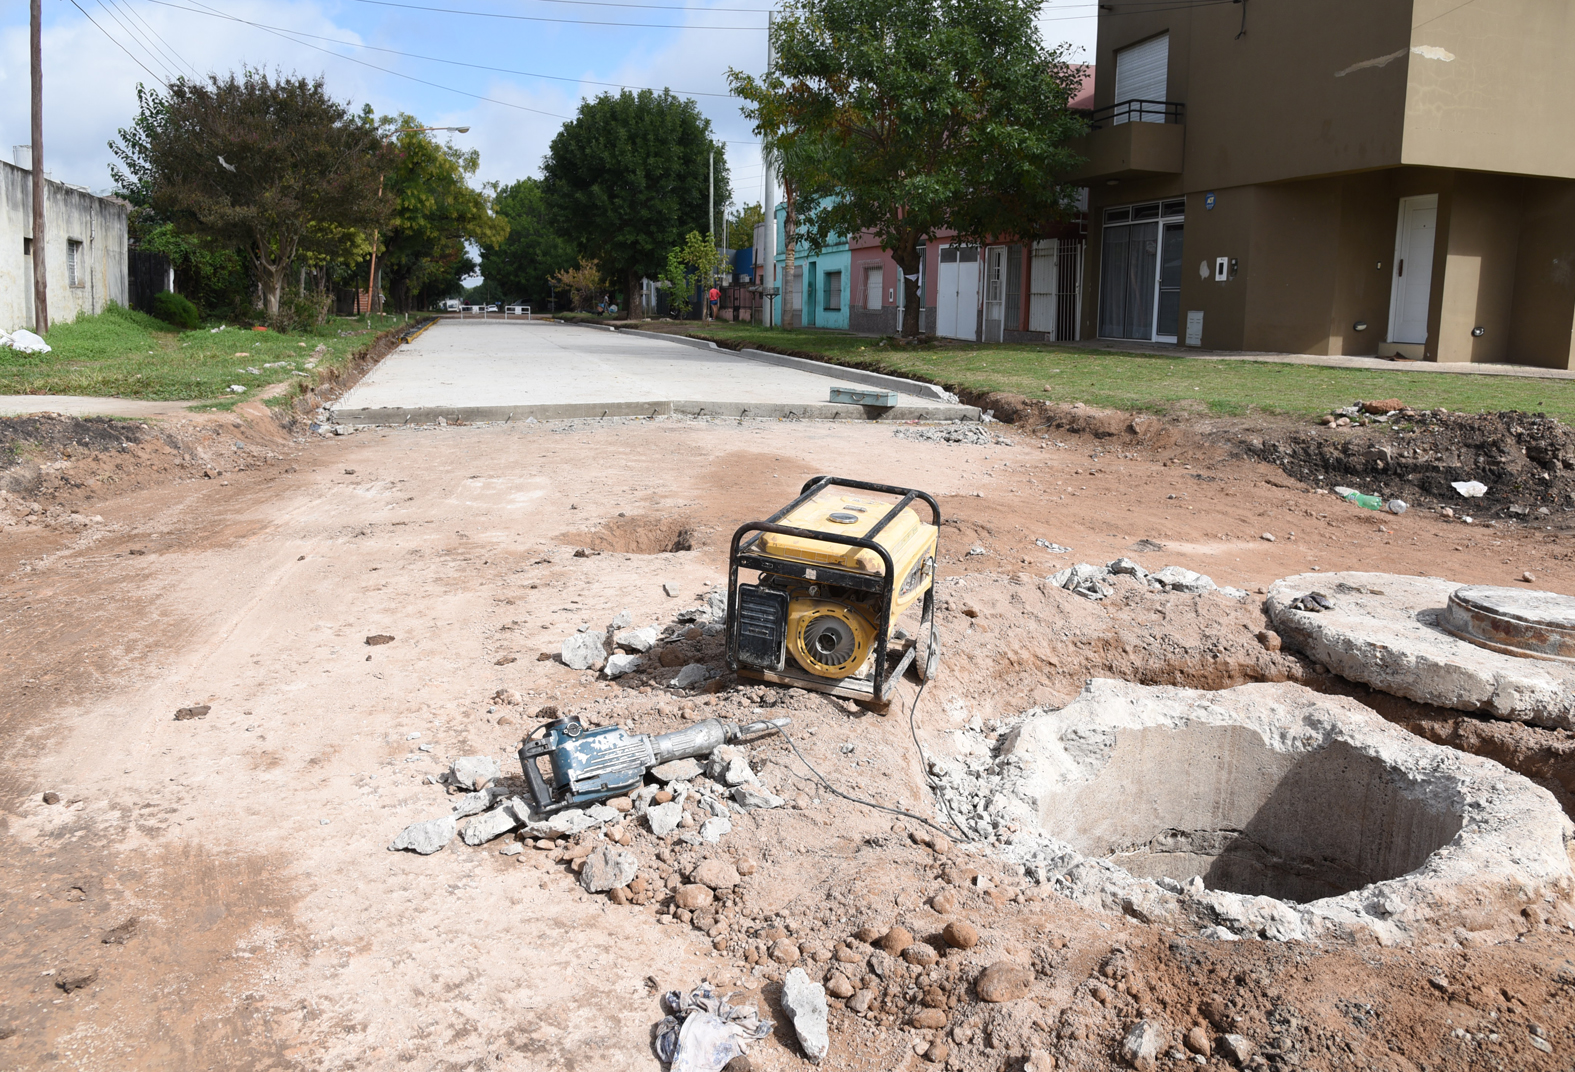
[
  {"x": 1542, "y": 314},
  {"x": 70, "y": 214}
]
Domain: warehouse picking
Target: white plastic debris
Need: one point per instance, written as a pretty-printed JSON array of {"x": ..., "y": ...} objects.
[
  {"x": 1471, "y": 489},
  {"x": 237, "y": 388},
  {"x": 24, "y": 341}
]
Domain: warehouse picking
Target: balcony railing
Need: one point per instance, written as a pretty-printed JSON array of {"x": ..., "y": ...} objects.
[{"x": 1137, "y": 111}]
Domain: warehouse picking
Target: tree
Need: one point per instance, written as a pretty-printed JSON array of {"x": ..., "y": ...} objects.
[
  {"x": 273, "y": 166},
  {"x": 533, "y": 250},
  {"x": 435, "y": 213},
  {"x": 584, "y": 284},
  {"x": 627, "y": 177},
  {"x": 693, "y": 264},
  {"x": 741, "y": 228},
  {"x": 926, "y": 115}
]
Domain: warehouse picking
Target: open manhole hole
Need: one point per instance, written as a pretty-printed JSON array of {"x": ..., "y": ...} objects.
[
  {"x": 1218, "y": 803},
  {"x": 1269, "y": 810},
  {"x": 635, "y": 536}
]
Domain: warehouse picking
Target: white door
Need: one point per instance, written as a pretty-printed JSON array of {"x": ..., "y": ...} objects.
[
  {"x": 1413, "y": 268},
  {"x": 946, "y": 293},
  {"x": 957, "y": 293},
  {"x": 994, "y": 293},
  {"x": 874, "y": 288},
  {"x": 1041, "y": 287}
]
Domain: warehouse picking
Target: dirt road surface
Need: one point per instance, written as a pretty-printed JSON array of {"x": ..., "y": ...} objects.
[{"x": 217, "y": 892}]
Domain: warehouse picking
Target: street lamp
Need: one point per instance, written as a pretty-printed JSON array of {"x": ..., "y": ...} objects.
[{"x": 371, "y": 275}]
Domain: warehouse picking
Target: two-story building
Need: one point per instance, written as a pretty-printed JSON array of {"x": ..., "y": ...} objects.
[
  {"x": 821, "y": 278},
  {"x": 1390, "y": 177}
]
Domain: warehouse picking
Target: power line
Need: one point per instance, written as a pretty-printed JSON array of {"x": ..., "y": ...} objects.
[
  {"x": 138, "y": 40},
  {"x": 149, "y": 26},
  {"x": 576, "y": 22},
  {"x": 120, "y": 46},
  {"x": 434, "y": 59}
]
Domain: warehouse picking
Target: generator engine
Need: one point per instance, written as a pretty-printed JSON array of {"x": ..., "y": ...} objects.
[{"x": 835, "y": 570}]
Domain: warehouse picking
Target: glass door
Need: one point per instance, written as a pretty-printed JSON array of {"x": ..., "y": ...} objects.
[{"x": 1168, "y": 315}]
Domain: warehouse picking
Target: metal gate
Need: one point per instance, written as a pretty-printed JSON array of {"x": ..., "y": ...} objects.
[
  {"x": 1055, "y": 288},
  {"x": 148, "y": 274}
]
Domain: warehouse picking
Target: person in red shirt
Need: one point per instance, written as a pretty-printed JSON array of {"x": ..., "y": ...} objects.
[{"x": 715, "y": 298}]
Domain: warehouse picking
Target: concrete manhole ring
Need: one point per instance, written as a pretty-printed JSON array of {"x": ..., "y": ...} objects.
[
  {"x": 1267, "y": 811},
  {"x": 1515, "y": 621},
  {"x": 1389, "y": 631}
]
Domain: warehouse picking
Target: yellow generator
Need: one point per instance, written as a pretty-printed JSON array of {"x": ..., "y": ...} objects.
[{"x": 834, "y": 571}]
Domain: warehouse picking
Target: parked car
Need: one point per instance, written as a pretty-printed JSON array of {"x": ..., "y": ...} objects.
[{"x": 449, "y": 305}]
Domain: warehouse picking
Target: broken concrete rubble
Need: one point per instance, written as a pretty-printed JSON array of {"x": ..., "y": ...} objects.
[
  {"x": 805, "y": 1003},
  {"x": 691, "y": 675},
  {"x": 1268, "y": 810},
  {"x": 637, "y": 640},
  {"x": 495, "y": 823},
  {"x": 474, "y": 772},
  {"x": 426, "y": 837},
  {"x": 1385, "y": 631},
  {"x": 584, "y": 651},
  {"x": 608, "y": 867},
  {"x": 729, "y": 765},
  {"x": 1093, "y": 582},
  {"x": 619, "y": 665}
]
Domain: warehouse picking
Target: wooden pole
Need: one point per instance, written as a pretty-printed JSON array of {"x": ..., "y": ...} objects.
[
  {"x": 40, "y": 291},
  {"x": 371, "y": 275}
]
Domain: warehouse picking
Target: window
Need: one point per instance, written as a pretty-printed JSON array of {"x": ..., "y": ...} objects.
[
  {"x": 874, "y": 283},
  {"x": 27, "y": 247},
  {"x": 833, "y": 292},
  {"x": 75, "y": 269},
  {"x": 1141, "y": 72}
]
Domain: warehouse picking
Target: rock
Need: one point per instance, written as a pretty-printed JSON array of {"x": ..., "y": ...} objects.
[
  {"x": 938, "y": 1052},
  {"x": 1141, "y": 1046},
  {"x": 1269, "y": 639},
  {"x": 784, "y": 951},
  {"x": 607, "y": 868},
  {"x": 750, "y": 797},
  {"x": 1003, "y": 981},
  {"x": 717, "y": 874},
  {"x": 960, "y": 934},
  {"x": 1129, "y": 568},
  {"x": 621, "y": 805},
  {"x": 920, "y": 955},
  {"x": 1237, "y": 1049},
  {"x": 860, "y": 1001},
  {"x": 1267, "y": 537},
  {"x": 1197, "y": 1041},
  {"x": 584, "y": 651},
  {"x": 120, "y": 932},
  {"x": 714, "y": 830},
  {"x": 76, "y": 979},
  {"x": 425, "y": 838},
  {"x": 837, "y": 985},
  {"x": 619, "y": 665},
  {"x": 378, "y": 639},
  {"x": 185, "y": 714},
  {"x": 506, "y": 696},
  {"x": 676, "y": 770},
  {"x": 478, "y": 802},
  {"x": 944, "y": 902},
  {"x": 664, "y": 818},
  {"x": 693, "y": 896},
  {"x": 1387, "y": 631},
  {"x": 1039, "y": 1061},
  {"x": 867, "y": 935},
  {"x": 690, "y": 676},
  {"x": 729, "y": 765},
  {"x": 805, "y": 1004},
  {"x": 741, "y": 1063},
  {"x": 495, "y": 823},
  {"x": 623, "y": 621},
  {"x": 928, "y": 1019},
  {"x": 474, "y": 772},
  {"x": 54, "y": 798},
  {"x": 638, "y": 640},
  {"x": 669, "y": 589},
  {"x": 895, "y": 940},
  {"x": 1084, "y": 580},
  {"x": 941, "y": 845},
  {"x": 1177, "y": 579}
]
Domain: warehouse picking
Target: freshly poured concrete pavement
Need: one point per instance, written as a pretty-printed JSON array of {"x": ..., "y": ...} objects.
[{"x": 481, "y": 371}]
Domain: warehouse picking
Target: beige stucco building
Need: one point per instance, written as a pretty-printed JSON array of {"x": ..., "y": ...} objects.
[
  {"x": 85, "y": 249},
  {"x": 1336, "y": 177}
]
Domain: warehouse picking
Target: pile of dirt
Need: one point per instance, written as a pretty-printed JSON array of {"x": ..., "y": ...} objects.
[{"x": 1526, "y": 460}]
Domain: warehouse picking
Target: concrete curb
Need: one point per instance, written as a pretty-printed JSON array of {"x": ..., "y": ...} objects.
[
  {"x": 813, "y": 411},
  {"x": 916, "y": 388}
]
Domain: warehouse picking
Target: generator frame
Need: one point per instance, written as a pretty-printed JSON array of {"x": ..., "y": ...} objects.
[{"x": 879, "y": 687}]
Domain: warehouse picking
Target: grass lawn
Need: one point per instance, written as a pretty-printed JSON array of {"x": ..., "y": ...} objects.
[
  {"x": 1154, "y": 382},
  {"x": 125, "y": 354}
]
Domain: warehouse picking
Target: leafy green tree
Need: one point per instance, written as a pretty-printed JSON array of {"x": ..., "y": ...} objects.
[
  {"x": 924, "y": 115},
  {"x": 584, "y": 283},
  {"x": 436, "y": 211},
  {"x": 741, "y": 228},
  {"x": 627, "y": 177},
  {"x": 694, "y": 263},
  {"x": 533, "y": 251},
  {"x": 273, "y": 166}
]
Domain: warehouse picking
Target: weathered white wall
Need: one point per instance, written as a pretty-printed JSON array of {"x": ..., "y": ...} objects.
[{"x": 99, "y": 223}]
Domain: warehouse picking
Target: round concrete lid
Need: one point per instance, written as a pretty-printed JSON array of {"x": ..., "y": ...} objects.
[{"x": 1513, "y": 620}]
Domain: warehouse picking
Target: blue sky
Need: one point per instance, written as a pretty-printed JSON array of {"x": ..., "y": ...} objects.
[{"x": 91, "y": 68}]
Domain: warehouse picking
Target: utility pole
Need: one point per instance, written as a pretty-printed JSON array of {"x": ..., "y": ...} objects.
[
  {"x": 710, "y": 223},
  {"x": 40, "y": 292},
  {"x": 768, "y": 202}
]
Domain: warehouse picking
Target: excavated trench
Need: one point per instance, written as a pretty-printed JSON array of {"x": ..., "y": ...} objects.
[{"x": 1217, "y": 803}]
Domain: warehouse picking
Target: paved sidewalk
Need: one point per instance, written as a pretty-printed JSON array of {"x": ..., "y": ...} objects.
[
  {"x": 494, "y": 371},
  {"x": 1378, "y": 364},
  {"x": 86, "y": 406}
]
